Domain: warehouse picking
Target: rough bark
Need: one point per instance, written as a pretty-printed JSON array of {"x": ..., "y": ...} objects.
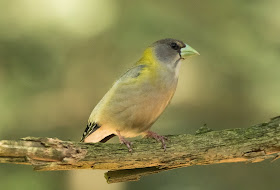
[{"x": 252, "y": 144}]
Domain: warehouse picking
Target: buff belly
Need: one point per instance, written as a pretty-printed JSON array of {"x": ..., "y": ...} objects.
[{"x": 135, "y": 115}]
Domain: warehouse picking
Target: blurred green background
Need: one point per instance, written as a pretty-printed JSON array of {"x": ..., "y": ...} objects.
[{"x": 59, "y": 57}]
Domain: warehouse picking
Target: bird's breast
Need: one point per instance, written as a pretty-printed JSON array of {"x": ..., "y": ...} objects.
[{"x": 146, "y": 105}]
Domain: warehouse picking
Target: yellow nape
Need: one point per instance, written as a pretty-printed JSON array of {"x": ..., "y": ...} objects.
[{"x": 148, "y": 58}]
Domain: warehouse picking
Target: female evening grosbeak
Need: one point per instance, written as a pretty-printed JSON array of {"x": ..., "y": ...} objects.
[{"x": 137, "y": 99}]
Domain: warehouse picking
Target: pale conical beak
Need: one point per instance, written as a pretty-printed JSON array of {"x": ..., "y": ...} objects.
[{"x": 188, "y": 51}]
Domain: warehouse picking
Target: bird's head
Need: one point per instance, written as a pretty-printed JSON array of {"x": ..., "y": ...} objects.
[{"x": 169, "y": 52}]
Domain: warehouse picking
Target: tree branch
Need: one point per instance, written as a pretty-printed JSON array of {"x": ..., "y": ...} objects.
[{"x": 252, "y": 144}]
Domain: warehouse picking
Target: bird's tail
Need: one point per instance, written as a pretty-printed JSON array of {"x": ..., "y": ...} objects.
[
  {"x": 95, "y": 133},
  {"x": 107, "y": 138},
  {"x": 91, "y": 127}
]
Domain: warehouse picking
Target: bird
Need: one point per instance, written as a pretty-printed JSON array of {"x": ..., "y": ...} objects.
[{"x": 139, "y": 96}]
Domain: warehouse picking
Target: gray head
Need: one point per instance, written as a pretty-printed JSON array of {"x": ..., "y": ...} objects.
[{"x": 170, "y": 51}]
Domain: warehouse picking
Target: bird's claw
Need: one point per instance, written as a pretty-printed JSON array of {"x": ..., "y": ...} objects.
[
  {"x": 128, "y": 144},
  {"x": 124, "y": 141},
  {"x": 159, "y": 138}
]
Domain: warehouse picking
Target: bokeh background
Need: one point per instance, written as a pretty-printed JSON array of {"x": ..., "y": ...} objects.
[{"x": 59, "y": 57}]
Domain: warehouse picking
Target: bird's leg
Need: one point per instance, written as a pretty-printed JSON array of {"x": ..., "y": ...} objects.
[
  {"x": 124, "y": 141},
  {"x": 158, "y": 137}
]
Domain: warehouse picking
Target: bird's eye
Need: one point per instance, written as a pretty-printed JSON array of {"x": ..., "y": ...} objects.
[{"x": 174, "y": 46}]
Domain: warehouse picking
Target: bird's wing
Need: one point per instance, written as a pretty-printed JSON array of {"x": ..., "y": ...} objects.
[
  {"x": 119, "y": 89},
  {"x": 132, "y": 72},
  {"x": 113, "y": 93}
]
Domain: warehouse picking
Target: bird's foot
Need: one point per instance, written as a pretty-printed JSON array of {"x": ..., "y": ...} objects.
[
  {"x": 124, "y": 141},
  {"x": 127, "y": 143},
  {"x": 158, "y": 137}
]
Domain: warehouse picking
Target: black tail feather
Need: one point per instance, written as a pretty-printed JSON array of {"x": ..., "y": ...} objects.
[
  {"x": 107, "y": 138},
  {"x": 91, "y": 127}
]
